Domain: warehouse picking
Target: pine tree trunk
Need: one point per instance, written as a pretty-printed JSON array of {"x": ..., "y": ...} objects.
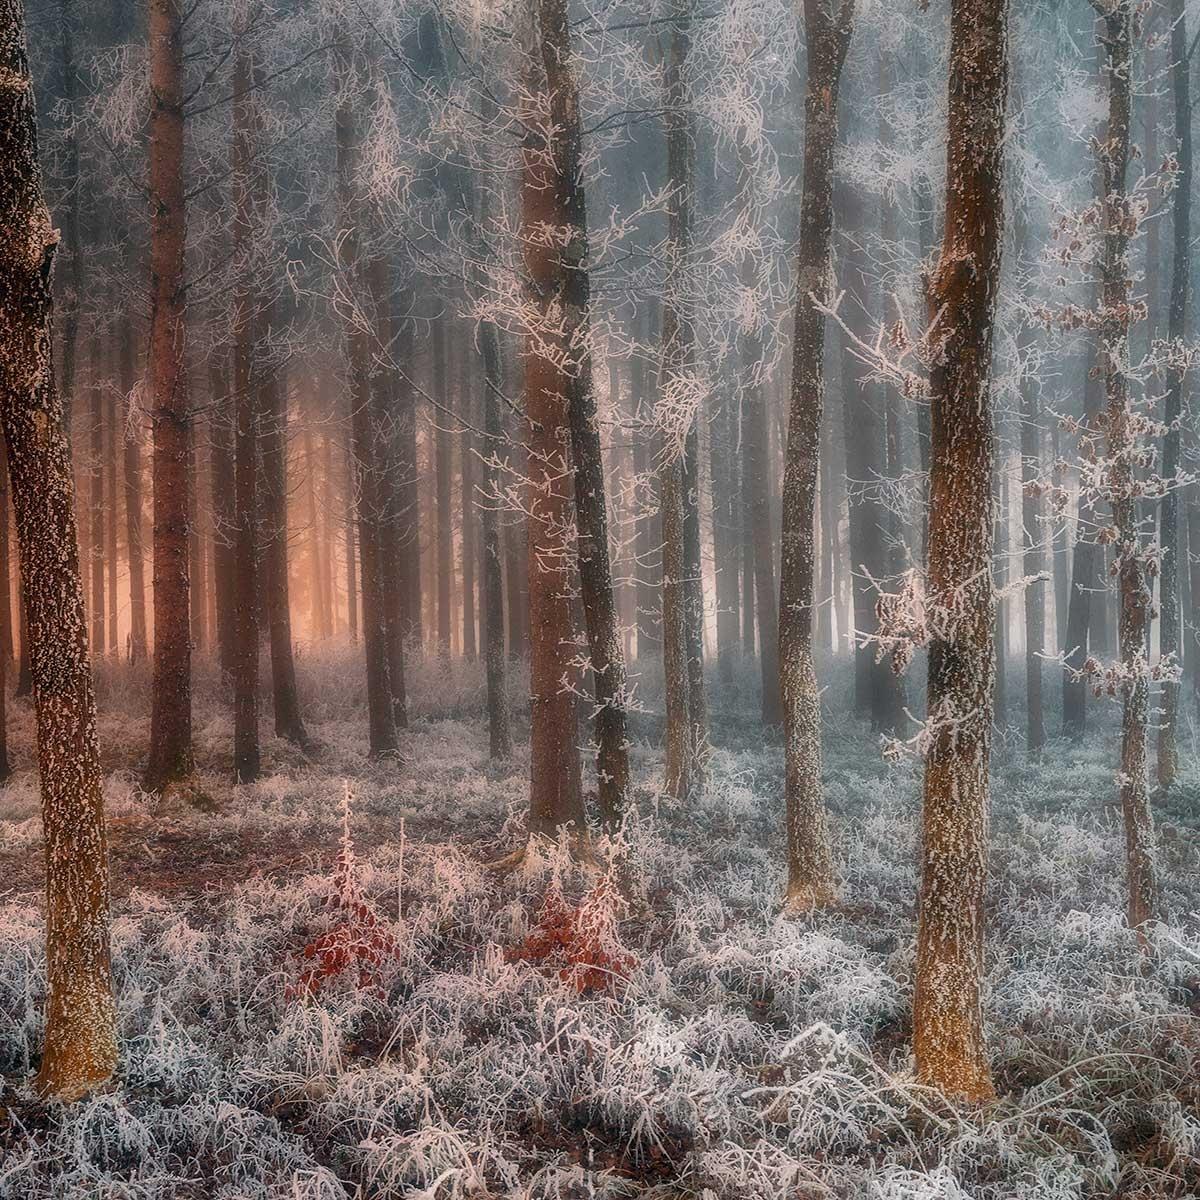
[
  {"x": 69, "y": 277},
  {"x": 221, "y": 488},
  {"x": 111, "y": 513},
  {"x": 1081, "y": 618},
  {"x": 318, "y": 615},
  {"x": 1170, "y": 644},
  {"x": 171, "y": 696},
  {"x": 554, "y": 196},
  {"x": 876, "y": 688},
  {"x": 1123, "y": 449},
  {"x": 682, "y": 597},
  {"x": 247, "y": 327},
  {"x": 947, "y": 1010},
  {"x": 365, "y": 433},
  {"x": 645, "y": 542},
  {"x": 499, "y": 733},
  {"x": 384, "y": 397},
  {"x": 443, "y": 477},
  {"x": 80, "y": 1045},
  {"x": 470, "y": 515},
  {"x": 24, "y": 668},
  {"x": 810, "y": 881},
  {"x": 96, "y": 497},
  {"x": 351, "y": 504},
  {"x": 285, "y": 693},
  {"x": 1000, "y": 575},
  {"x": 724, "y": 543},
  {"x": 409, "y": 516},
  {"x": 7, "y": 638},
  {"x": 1033, "y": 559}
]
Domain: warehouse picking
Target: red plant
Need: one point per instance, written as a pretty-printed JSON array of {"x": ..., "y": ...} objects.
[
  {"x": 580, "y": 942},
  {"x": 359, "y": 940}
]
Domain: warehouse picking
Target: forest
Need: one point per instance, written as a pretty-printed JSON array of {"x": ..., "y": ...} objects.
[{"x": 599, "y": 599}]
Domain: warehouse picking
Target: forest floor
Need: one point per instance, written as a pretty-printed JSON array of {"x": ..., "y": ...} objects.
[{"x": 421, "y": 1025}]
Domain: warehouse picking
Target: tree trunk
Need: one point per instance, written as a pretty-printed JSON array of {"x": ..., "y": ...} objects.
[
  {"x": 1170, "y": 644},
  {"x": 499, "y": 733},
  {"x": 351, "y": 503},
  {"x": 1124, "y": 446},
  {"x": 810, "y": 881},
  {"x": 554, "y": 196},
  {"x": 319, "y": 596},
  {"x": 682, "y": 607},
  {"x": 365, "y": 432},
  {"x": 111, "y": 512},
  {"x": 947, "y": 1010},
  {"x": 442, "y": 472},
  {"x": 198, "y": 584},
  {"x": 221, "y": 488},
  {"x": 70, "y": 279},
  {"x": 384, "y": 397},
  {"x": 285, "y": 693},
  {"x": 645, "y": 540},
  {"x": 1084, "y": 580},
  {"x": 246, "y": 329},
  {"x": 96, "y": 497},
  {"x": 171, "y": 694},
  {"x": 1033, "y": 560},
  {"x": 876, "y": 687},
  {"x": 7, "y": 640},
  {"x": 24, "y": 669},
  {"x": 466, "y": 446},
  {"x": 1000, "y": 576},
  {"x": 80, "y": 1047}
]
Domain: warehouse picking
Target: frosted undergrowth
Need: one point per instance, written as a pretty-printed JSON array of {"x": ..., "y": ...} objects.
[{"x": 742, "y": 1057}]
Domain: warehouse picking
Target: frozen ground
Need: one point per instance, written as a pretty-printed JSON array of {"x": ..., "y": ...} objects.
[{"x": 418, "y": 1025}]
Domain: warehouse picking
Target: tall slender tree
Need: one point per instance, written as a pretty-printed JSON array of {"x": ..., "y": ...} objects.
[
  {"x": 810, "y": 884},
  {"x": 364, "y": 475},
  {"x": 947, "y": 1008},
  {"x": 1120, "y": 483},
  {"x": 171, "y": 692},
  {"x": 1170, "y": 628},
  {"x": 562, "y": 289},
  {"x": 246, "y": 328},
  {"x": 80, "y": 1044}
]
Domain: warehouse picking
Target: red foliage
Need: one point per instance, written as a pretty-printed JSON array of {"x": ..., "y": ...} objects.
[
  {"x": 579, "y": 942},
  {"x": 358, "y": 941}
]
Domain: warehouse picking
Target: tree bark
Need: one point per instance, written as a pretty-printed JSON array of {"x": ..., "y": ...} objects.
[
  {"x": 7, "y": 638},
  {"x": 171, "y": 690},
  {"x": 384, "y": 396},
  {"x": 80, "y": 1046},
  {"x": 285, "y": 692},
  {"x": 876, "y": 688},
  {"x": 246, "y": 328},
  {"x": 947, "y": 1011},
  {"x": 1084, "y": 580},
  {"x": 96, "y": 497},
  {"x": 466, "y": 449},
  {"x": 499, "y": 732},
  {"x": 221, "y": 488},
  {"x": 554, "y": 197},
  {"x": 365, "y": 433},
  {"x": 1170, "y": 626},
  {"x": 443, "y": 478},
  {"x": 1033, "y": 559},
  {"x": 810, "y": 881},
  {"x": 1123, "y": 452},
  {"x": 111, "y": 512},
  {"x": 682, "y": 607}
]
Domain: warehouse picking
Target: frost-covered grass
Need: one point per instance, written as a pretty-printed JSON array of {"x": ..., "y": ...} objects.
[{"x": 742, "y": 1056}]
